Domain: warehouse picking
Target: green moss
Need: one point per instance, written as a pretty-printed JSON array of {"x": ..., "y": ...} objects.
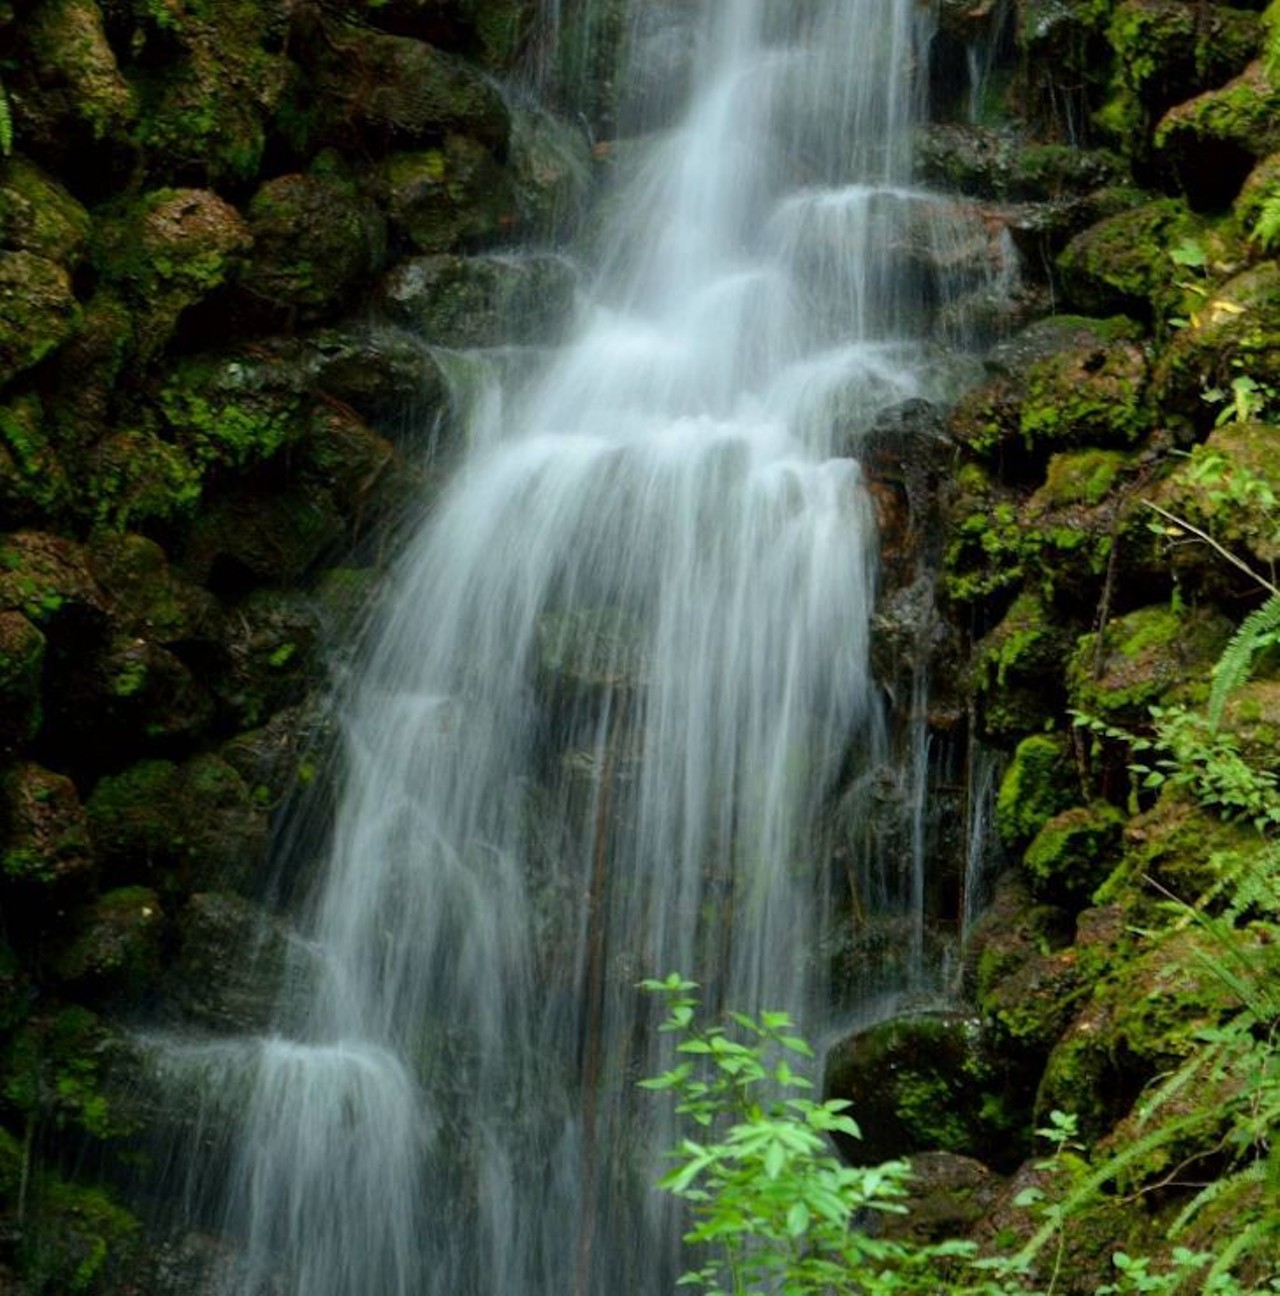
[
  {"x": 1039, "y": 782},
  {"x": 78, "y": 1238},
  {"x": 985, "y": 554},
  {"x": 1073, "y": 852},
  {"x": 33, "y": 485},
  {"x": 1082, "y": 477},
  {"x": 1150, "y": 655},
  {"x": 38, "y": 215}
]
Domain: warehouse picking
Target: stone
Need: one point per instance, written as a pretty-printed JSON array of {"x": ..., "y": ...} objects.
[
  {"x": 38, "y": 311},
  {"x": 113, "y": 952},
  {"x": 39, "y": 216},
  {"x": 46, "y": 848},
  {"x": 22, "y": 649},
  {"x": 484, "y": 301}
]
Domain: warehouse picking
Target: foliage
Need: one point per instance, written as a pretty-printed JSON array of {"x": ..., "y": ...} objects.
[{"x": 6, "y": 123}]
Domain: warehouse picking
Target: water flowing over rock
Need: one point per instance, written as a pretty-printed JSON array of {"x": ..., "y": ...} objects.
[{"x": 622, "y": 667}]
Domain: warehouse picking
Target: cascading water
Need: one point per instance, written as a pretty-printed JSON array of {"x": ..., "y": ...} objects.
[{"x": 621, "y": 671}]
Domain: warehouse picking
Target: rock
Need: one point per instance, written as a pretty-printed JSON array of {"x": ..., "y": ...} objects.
[
  {"x": 451, "y": 198},
  {"x": 551, "y": 168},
  {"x": 212, "y": 76},
  {"x": 1151, "y": 655},
  {"x": 1039, "y": 783},
  {"x": 922, "y": 1082},
  {"x": 316, "y": 242},
  {"x": 50, "y": 580},
  {"x": 946, "y": 1195},
  {"x": 1231, "y": 336},
  {"x": 177, "y": 827},
  {"x": 228, "y": 973},
  {"x": 1210, "y": 143},
  {"x": 134, "y": 477},
  {"x": 403, "y": 92},
  {"x": 484, "y": 301},
  {"x": 39, "y": 216},
  {"x": 1074, "y": 852},
  {"x": 1165, "y": 52},
  {"x": 77, "y": 97},
  {"x": 46, "y": 849},
  {"x": 34, "y": 488},
  {"x": 145, "y": 597},
  {"x": 38, "y": 311},
  {"x": 1013, "y": 672},
  {"x": 1122, "y": 264},
  {"x": 22, "y": 649},
  {"x": 165, "y": 252},
  {"x": 113, "y": 952}
]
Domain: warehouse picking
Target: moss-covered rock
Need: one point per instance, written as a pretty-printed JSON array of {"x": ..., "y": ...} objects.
[
  {"x": 38, "y": 215},
  {"x": 551, "y": 167},
  {"x": 1065, "y": 57},
  {"x": 46, "y": 847},
  {"x": 38, "y": 311},
  {"x": 232, "y": 411},
  {"x": 177, "y": 827},
  {"x": 209, "y": 76},
  {"x": 449, "y": 198},
  {"x": 1073, "y": 852},
  {"x": 316, "y": 241},
  {"x": 923, "y": 1082},
  {"x": 144, "y": 596},
  {"x": 33, "y": 485},
  {"x": 1091, "y": 393},
  {"x": 1166, "y": 52},
  {"x": 1145, "y": 1018},
  {"x": 1013, "y": 670},
  {"x": 1039, "y": 783},
  {"x": 50, "y": 580},
  {"x": 22, "y": 649},
  {"x": 1147, "y": 656},
  {"x": 78, "y": 88},
  {"x": 396, "y": 90},
  {"x": 482, "y": 301},
  {"x": 80, "y": 1240},
  {"x": 1232, "y": 335},
  {"x": 167, "y": 251},
  {"x": 113, "y": 949},
  {"x": 984, "y": 556},
  {"x": 1211, "y": 142},
  {"x": 133, "y": 478},
  {"x": 1122, "y": 264}
]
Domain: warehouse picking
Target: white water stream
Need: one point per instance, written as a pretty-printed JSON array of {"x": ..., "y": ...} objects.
[{"x": 621, "y": 670}]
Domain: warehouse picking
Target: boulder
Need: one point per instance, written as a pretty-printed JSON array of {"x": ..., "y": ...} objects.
[
  {"x": 46, "y": 849},
  {"x": 38, "y": 311}
]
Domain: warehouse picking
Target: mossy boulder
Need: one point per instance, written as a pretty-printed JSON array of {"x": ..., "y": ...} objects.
[
  {"x": 209, "y": 79},
  {"x": 1224, "y": 488},
  {"x": 1013, "y": 671},
  {"x": 74, "y": 94},
  {"x": 1232, "y": 335},
  {"x": 1145, "y": 1017},
  {"x": 482, "y": 301},
  {"x": 46, "y": 847},
  {"x": 1151, "y": 655},
  {"x": 1065, "y": 58},
  {"x": 38, "y": 311},
  {"x": 135, "y": 478},
  {"x": 551, "y": 166},
  {"x": 22, "y": 649},
  {"x": 49, "y": 579},
  {"x": 113, "y": 949},
  {"x": 1039, "y": 783},
  {"x": 178, "y": 827},
  {"x": 229, "y": 970},
  {"x": 232, "y": 411},
  {"x": 1210, "y": 143},
  {"x": 34, "y": 488},
  {"x": 1091, "y": 393},
  {"x": 145, "y": 597},
  {"x": 984, "y": 556},
  {"x": 1074, "y": 852},
  {"x": 1184, "y": 849},
  {"x": 1122, "y": 264},
  {"x": 922, "y": 1082},
  {"x": 165, "y": 252},
  {"x": 1166, "y": 52},
  {"x": 450, "y": 198},
  {"x": 400, "y": 92},
  {"x": 316, "y": 241},
  {"x": 38, "y": 215}
]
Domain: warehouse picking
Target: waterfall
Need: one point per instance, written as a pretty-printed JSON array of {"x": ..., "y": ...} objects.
[{"x": 620, "y": 673}]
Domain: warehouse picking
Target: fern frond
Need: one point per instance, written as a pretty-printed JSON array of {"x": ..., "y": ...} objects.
[
  {"x": 6, "y": 124},
  {"x": 1255, "y": 1172},
  {"x": 1266, "y": 229},
  {"x": 1258, "y": 630}
]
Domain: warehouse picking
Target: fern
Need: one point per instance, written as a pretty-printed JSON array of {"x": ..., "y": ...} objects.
[
  {"x": 1266, "y": 229},
  {"x": 6, "y": 124},
  {"x": 1259, "y": 630}
]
